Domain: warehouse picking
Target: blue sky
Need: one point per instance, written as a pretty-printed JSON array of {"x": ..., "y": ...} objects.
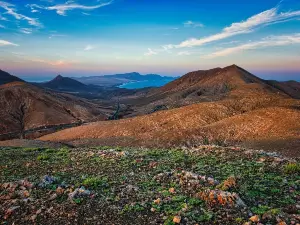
[{"x": 42, "y": 38}]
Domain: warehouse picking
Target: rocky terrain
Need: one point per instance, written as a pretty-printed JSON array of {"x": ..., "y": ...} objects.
[
  {"x": 24, "y": 106},
  {"x": 103, "y": 185}
]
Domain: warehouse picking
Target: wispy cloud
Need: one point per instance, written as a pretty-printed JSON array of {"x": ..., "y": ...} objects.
[
  {"x": 11, "y": 10},
  {"x": 52, "y": 63},
  {"x": 192, "y": 24},
  {"x": 3, "y": 18},
  {"x": 26, "y": 30},
  {"x": 89, "y": 47},
  {"x": 1, "y": 26},
  {"x": 183, "y": 53},
  {"x": 56, "y": 35},
  {"x": 6, "y": 43},
  {"x": 150, "y": 52},
  {"x": 37, "y": 59},
  {"x": 61, "y": 9},
  {"x": 86, "y": 14},
  {"x": 262, "y": 19},
  {"x": 270, "y": 41}
]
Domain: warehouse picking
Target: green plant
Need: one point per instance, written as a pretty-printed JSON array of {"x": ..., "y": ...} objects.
[
  {"x": 95, "y": 182},
  {"x": 43, "y": 157},
  {"x": 292, "y": 168},
  {"x": 239, "y": 220},
  {"x": 260, "y": 210},
  {"x": 205, "y": 141},
  {"x": 31, "y": 149}
]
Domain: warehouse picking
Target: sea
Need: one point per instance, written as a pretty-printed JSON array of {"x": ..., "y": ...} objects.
[{"x": 145, "y": 84}]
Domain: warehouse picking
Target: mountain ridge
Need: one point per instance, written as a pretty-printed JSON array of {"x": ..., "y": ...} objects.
[{"x": 6, "y": 77}]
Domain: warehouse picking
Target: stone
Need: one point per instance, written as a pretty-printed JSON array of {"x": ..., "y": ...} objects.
[
  {"x": 176, "y": 219},
  {"x": 254, "y": 219}
]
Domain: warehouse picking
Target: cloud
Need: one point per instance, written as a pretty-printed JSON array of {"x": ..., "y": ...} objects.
[
  {"x": 11, "y": 10},
  {"x": 26, "y": 30},
  {"x": 150, "y": 52},
  {"x": 192, "y": 24},
  {"x": 61, "y": 9},
  {"x": 1, "y": 26},
  {"x": 26, "y": 57},
  {"x": 6, "y": 43},
  {"x": 270, "y": 41},
  {"x": 51, "y": 63},
  {"x": 262, "y": 19},
  {"x": 3, "y": 18},
  {"x": 56, "y": 35},
  {"x": 89, "y": 47},
  {"x": 183, "y": 53}
]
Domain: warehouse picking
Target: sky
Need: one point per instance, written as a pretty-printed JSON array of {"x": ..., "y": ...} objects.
[{"x": 43, "y": 38}]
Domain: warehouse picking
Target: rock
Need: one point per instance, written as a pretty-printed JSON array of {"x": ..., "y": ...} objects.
[
  {"x": 172, "y": 190},
  {"x": 217, "y": 197},
  {"x": 229, "y": 183},
  {"x": 254, "y": 219},
  {"x": 59, "y": 191},
  {"x": 247, "y": 223},
  {"x": 47, "y": 180},
  {"x": 52, "y": 197},
  {"x": 282, "y": 223},
  {"x": 90, "y": 154},
  {"x": 10, "y": 211},
  {"x": 79, "y": 192},
  {"x": 130, "y": 188},
  {"x": 157, "y": 201},
  {"x": 33, "y": 217},
  {"x": 176, "y": 219},
  {"x": 25, "y": 194}
]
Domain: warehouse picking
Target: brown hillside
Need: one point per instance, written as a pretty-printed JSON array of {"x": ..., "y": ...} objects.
[
  {"x": 292, "y": 88},
  {"x": 44, "y": 107},
  {"x": 198, "y": 123},
  {"x": 241, "y": 109},
  {"x": 205, "y": 86}
]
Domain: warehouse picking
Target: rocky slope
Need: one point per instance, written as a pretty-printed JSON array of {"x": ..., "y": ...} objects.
[
  {"x": 235, "y": 107},
  {"x": 42, "y": 108}
]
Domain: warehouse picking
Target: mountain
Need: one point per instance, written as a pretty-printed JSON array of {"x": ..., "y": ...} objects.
[
  {"x": 64, "y": 84},
  {"x": 223, "y": 105},
  {"x": 26, "y": 105},
  {"x": 206, "y": 86},
  {"x": 91, "y": 91},
  {"x": 291, "y": 88},
  {"x": 7, "y": 78},
  {"x": 119, "y": 79}
]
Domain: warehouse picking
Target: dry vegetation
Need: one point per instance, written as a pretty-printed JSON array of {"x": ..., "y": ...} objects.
[{"x": 104, "y": 185}]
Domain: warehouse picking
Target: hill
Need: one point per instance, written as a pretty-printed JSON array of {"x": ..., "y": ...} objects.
[
  {"x": 292, "y": 88},
  {"x": 206, "y": 86},
  {"x": 24, "y": 107},
  {"x": 119, "y": 79},
  {"x": 234, "y": 107},
  {"x": 7, "y": 78},
  {"x": 64, "y": 84}
]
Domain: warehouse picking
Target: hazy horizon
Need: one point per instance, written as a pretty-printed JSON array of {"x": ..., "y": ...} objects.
[{"x": 275, "y": 75}]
